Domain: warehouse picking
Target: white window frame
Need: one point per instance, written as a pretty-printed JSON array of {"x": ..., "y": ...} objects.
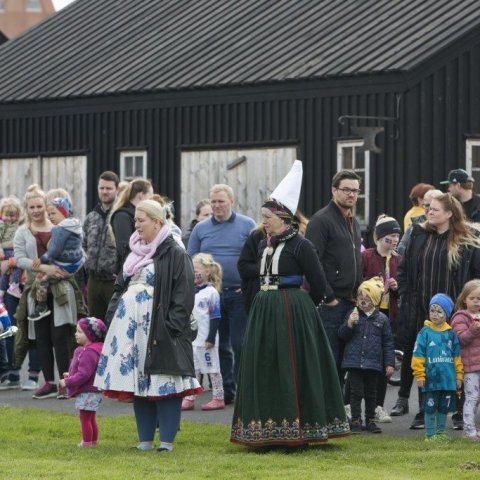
[
  {"x": 365, "y": 188},
  {"x": 34, "y": 8},
  {"x": 124, "y": 155},
  {"x": 470, "y": 143}
]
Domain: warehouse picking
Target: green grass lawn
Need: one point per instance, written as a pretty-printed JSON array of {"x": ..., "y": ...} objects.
[{"x": 42, "y": 444}]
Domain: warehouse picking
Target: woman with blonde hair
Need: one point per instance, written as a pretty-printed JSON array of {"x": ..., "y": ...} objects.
[
  {"x": 53, "y": 332},
  {"x": 147, "y": 355},
  {"x": 122, "y": 215},
  {"x": 442, "y": 255}
]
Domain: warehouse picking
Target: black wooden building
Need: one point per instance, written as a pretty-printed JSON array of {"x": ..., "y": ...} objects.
[{"x": 182, "y": 90}]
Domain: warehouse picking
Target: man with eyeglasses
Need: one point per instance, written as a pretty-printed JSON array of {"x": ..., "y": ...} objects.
[{"x": 335, "y": 232}]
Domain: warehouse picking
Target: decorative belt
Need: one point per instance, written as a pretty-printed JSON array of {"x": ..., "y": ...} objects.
[{"x": 277, "y": 287}]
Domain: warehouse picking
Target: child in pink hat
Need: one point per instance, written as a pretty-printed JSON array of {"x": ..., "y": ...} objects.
[{"x": 81, "y": 374}]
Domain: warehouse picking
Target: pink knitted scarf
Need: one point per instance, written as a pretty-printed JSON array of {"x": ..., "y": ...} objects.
[{"x": 141, "y": 253}]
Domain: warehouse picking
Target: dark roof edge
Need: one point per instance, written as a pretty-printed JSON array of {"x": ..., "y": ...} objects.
[
  {"x": 442, "y": 57},
  {"x": 331, "y": 86}
]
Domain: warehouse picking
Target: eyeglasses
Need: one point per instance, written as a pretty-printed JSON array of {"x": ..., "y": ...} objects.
[{"x": 350, "y": 191}]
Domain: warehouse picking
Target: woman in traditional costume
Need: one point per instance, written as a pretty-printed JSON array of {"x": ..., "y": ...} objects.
[{"x": 288, "y": 388}]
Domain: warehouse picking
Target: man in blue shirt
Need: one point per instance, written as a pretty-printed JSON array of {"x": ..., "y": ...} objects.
[{"x": 223, "y": 236}]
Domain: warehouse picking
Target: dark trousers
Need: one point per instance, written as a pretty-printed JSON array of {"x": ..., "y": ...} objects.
[
  {"x": 231, "y": 333},
  {"x": 332, "y": 318},
  {"x": 363, "y": 386},
  {"x": 406, "y": 373},
  {"x": 99, "y": 293},
  {"x": 381, "y": 389},
  {"x": 50, "y": 338}
]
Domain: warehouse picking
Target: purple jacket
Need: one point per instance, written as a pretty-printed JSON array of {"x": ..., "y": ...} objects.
[
  {"x": 83, "y": 368},
  {"x": 462, "y": 323},
  {"x": 374, "y": 265}
]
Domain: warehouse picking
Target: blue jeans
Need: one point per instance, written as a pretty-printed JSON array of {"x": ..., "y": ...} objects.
[
  {"x": 165, "y": 413},
  {"x": 332, "y": 318},
  {"x": 231, "y": 333},
  {"x": 34, "y": 366}
]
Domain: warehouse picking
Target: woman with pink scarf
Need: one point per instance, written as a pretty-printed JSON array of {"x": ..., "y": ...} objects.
[{"x": 147, "y": 355}]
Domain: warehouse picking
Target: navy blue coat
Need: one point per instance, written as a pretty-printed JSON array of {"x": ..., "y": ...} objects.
[{"x": 369, "y": 344}]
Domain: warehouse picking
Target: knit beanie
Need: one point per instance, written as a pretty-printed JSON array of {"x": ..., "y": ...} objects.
[
  {"x": 443, "y": 301},
  {"x": 93, "y": 328},
  {"x": 386, "y": 226},
  {"x": 374, "y": 288},
  {"x": 62, "y": 204},
  {"x": 5, "y": 322}
]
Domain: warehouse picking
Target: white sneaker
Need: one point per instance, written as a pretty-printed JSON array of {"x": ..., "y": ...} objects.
[
  {"x": 348, "y": 412},
  {"x": 30, "y": 385},
  {"x": 381, "y": 416}
]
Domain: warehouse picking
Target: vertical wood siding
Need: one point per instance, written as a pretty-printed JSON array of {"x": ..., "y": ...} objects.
[{"x": 437, "y": 110}]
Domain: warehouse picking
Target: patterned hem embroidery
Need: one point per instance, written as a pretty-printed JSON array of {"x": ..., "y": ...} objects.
[{"x": 271, "y": 432}]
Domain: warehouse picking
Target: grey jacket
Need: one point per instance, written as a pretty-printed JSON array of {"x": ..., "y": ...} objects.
[{"x": 99, "y": 245}]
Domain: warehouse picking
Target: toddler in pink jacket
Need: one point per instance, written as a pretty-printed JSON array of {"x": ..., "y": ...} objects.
[
  {"x": 81, "y": 374},
  {"x": 466, "y": 324}
]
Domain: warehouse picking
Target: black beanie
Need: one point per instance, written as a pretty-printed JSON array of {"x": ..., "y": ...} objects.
[{"x": 386, "y": 228}]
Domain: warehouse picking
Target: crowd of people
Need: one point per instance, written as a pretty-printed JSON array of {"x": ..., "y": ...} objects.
[{"x": 291, "y": 320}]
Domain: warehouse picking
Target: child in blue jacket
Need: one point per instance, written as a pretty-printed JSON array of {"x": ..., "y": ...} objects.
[
  {"x": 63, "y": 250},
  {"x": 437, "y": 366},
  {"x": 369, "y": 352}
]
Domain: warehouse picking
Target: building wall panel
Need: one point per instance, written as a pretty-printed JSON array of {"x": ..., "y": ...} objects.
[{"x": 438, "y": 108}]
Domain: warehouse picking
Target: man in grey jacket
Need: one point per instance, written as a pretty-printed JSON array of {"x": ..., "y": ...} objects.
[{"x": 99, "y": 246}]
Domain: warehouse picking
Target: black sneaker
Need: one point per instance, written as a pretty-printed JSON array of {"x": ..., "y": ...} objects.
[
  {"x": 457, "y": 421},
  {"x": 418, "y": 421},
  {"x": 372, "y": 427},
  {"x": 400, "y": 408},
  {"x": 41, "y": 310},
  {"x": 356, "y": 426}
]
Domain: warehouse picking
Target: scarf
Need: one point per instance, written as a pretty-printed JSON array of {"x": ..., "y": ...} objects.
[
  {"x": 141, "y": 253},
  {"x": 290, "y": 232}
]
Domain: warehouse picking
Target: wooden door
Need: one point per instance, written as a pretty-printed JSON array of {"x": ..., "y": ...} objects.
[
  {"x": 68, "y": 172},
  {"x": 252, "y": 173}
]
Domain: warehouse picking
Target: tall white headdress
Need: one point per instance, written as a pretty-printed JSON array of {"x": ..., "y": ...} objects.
[{"x": 288, "y": 190}]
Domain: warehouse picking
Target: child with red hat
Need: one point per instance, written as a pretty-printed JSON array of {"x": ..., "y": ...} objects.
[
  {"x": 63, "y": 250},
  {"x": 81, "y": 374}
]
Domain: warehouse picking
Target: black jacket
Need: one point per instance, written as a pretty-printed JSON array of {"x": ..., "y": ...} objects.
[
  {"x": 472, "y": 208},
  {"x": 169, "y": 344},
  {"x": 123, "y": 225},
  {"x": 338, "y": 249},
  {"x": 249, "y": 266},
  {"x": 413, "y": 307},
  {"x": 369, "y": 344}
]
